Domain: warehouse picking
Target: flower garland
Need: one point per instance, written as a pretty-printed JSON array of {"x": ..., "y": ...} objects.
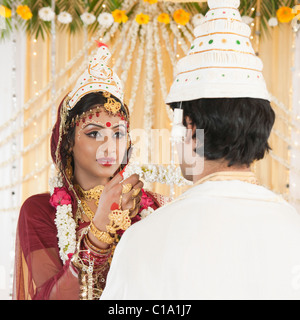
[
  {"x": 148, "y": 89},
  {"x": 65, "y": 224},
  {"x": 138, "y": 69},
  {"x": 170, "y": 175}
]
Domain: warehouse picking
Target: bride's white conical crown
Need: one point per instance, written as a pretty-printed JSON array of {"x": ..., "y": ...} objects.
[{"x": 221, "y": 62}]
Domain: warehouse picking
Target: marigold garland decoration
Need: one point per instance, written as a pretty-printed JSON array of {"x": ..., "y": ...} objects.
[
  {"x": 5, "y": 12},
  {"x": 181, "y": 17},
  {"x": 24, "y": 12},
  {"x": 78, "y": 14},
  {"x": 163, "y": 18},
  {"x": 142, "y": 18},
  {"x": 285, "y": 15},
  {"x": 151, "y": 1},
  {"x": 120, "y": 16}
]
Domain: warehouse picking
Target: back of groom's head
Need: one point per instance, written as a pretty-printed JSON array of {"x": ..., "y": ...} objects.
[{"x": 235, "y": 129}]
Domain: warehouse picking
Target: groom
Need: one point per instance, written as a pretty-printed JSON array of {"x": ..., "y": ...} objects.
[{"x": 227, "y": 237}]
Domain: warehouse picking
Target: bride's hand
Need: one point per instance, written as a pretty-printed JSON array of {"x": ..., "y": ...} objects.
[{"x": 110, "y": 196}]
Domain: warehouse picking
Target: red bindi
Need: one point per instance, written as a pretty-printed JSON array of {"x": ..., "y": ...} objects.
[{"x": 108, "y": 124}]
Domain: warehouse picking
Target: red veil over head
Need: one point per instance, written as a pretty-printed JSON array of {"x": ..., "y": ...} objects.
[{"x": 39, "y": 271}]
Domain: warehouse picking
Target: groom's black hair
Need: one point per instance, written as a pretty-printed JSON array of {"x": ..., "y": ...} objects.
[{"x": 235, "y": 129}]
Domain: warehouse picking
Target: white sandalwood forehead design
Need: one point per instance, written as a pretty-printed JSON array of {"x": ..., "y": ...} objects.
[{"x": 221, "y": 62}]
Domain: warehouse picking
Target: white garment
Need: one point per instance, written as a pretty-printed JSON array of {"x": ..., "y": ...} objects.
[{"x": 219, "y": 240}]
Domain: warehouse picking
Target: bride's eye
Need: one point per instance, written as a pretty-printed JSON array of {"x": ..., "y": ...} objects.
[
  {"x": 119, "y": 135},
  {"x": 94, "y": 134}
]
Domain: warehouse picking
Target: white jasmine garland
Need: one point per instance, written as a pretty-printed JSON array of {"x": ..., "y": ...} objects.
[
  {"x": 127, "y": 64},
  {"x": 146, "y": 212},
  {"x": 148, "y": 87},
  {"x": 170, "y": 175},
  {"x": 64, "y": 17},
  {"x": 46, "y": 14},
  {"x": 138, "y": 68},
  {"x": 66, "y": 231},
  {"x": 65, "y": 224},
  {"x": 105, "y": 19}
]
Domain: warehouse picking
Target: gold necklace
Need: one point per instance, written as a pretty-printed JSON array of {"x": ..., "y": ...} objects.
[
  {"x": 85, "y": 195},
  {"x": 244, "y": 176}
]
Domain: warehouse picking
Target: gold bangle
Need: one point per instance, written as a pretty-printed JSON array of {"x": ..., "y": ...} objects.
[
  {"x": 95, "y": 249},
  {"x": 101, "y": 235}
]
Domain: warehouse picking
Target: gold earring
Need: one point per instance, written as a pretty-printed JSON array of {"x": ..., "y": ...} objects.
[{"x": 69, "y": 168}]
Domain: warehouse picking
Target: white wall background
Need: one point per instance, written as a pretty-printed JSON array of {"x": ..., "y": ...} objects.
[
  {"x": 12, "y": 62},
  {"x": 295, "y": 152}
]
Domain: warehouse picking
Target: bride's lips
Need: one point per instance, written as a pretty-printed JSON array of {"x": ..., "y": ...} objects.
[{"x": 106, "y": 162}]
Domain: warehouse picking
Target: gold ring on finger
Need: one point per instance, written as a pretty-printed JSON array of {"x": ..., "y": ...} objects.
[
  {"x": 126, "y": 188},
  {"x": 136, "y": 192},
  {"x": 134, "y": 205},
  {"x": 134, "y": 213}
]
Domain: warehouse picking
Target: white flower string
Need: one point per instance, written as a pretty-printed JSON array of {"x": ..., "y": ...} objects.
[
  {"x": 127, "y": 63},
  {"x": 170, "y": 175},
  {"x": 148, "y": 89},
  {"x": 125, "y": 45},
  {"x": 44, "y": 90},
  {"x": 66, "y": 231},
  {"x": 30, "y": 175},
  {"x": 167, "y": 42},
  {"x": 28, "y": 148},
  {"x": 159, "y": 60},
  {"x": 175, "y": 30},
  {"x": 65, "y": 223}
]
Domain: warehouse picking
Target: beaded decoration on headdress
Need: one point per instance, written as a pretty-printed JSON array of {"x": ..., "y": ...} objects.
[{"x": 99, "y": 76}]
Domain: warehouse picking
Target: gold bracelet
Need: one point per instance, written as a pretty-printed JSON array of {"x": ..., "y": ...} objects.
[
  {"x": 95, "y": 249},
  {"x": 101, "y": 235}
]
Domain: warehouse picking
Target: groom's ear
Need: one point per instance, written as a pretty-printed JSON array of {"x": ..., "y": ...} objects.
[
  {"x": 189, "y": 123},
  {"x": 191, "y": 128}
]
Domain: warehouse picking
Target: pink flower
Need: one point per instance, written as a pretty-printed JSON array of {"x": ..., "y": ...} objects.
[
  {"x": 60, "y": 197},
  {"x": 146, "y": 201}
]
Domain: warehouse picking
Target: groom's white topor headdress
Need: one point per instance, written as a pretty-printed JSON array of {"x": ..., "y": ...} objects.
[{"x": 221, "y": 62}]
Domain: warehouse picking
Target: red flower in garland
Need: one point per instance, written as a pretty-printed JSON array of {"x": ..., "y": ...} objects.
[
  {"x": 146, "y": 201},
  {"x": 60, "y": 197}
]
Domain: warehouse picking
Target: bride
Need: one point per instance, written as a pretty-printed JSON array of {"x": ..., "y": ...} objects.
[{"x": 66, "y": 239}]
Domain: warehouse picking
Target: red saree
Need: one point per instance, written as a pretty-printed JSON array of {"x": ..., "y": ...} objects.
[{"x": 39, "y": 271}]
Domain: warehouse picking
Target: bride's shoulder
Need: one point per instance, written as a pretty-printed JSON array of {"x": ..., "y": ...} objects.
[{"x": 38, "y": 204}]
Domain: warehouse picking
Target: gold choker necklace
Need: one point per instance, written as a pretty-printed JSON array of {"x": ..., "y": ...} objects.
[
  {"x": 244, "y": 176},
  {"x": 85, "y": 195}
]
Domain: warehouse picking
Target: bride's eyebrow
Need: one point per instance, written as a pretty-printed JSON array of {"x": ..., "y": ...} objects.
[
  {"x": 103, "y": 126},
  {"x": 94, "y": 125}
]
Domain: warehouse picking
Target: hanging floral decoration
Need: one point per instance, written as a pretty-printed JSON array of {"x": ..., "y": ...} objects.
[{"x": 77, "y": 14}]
